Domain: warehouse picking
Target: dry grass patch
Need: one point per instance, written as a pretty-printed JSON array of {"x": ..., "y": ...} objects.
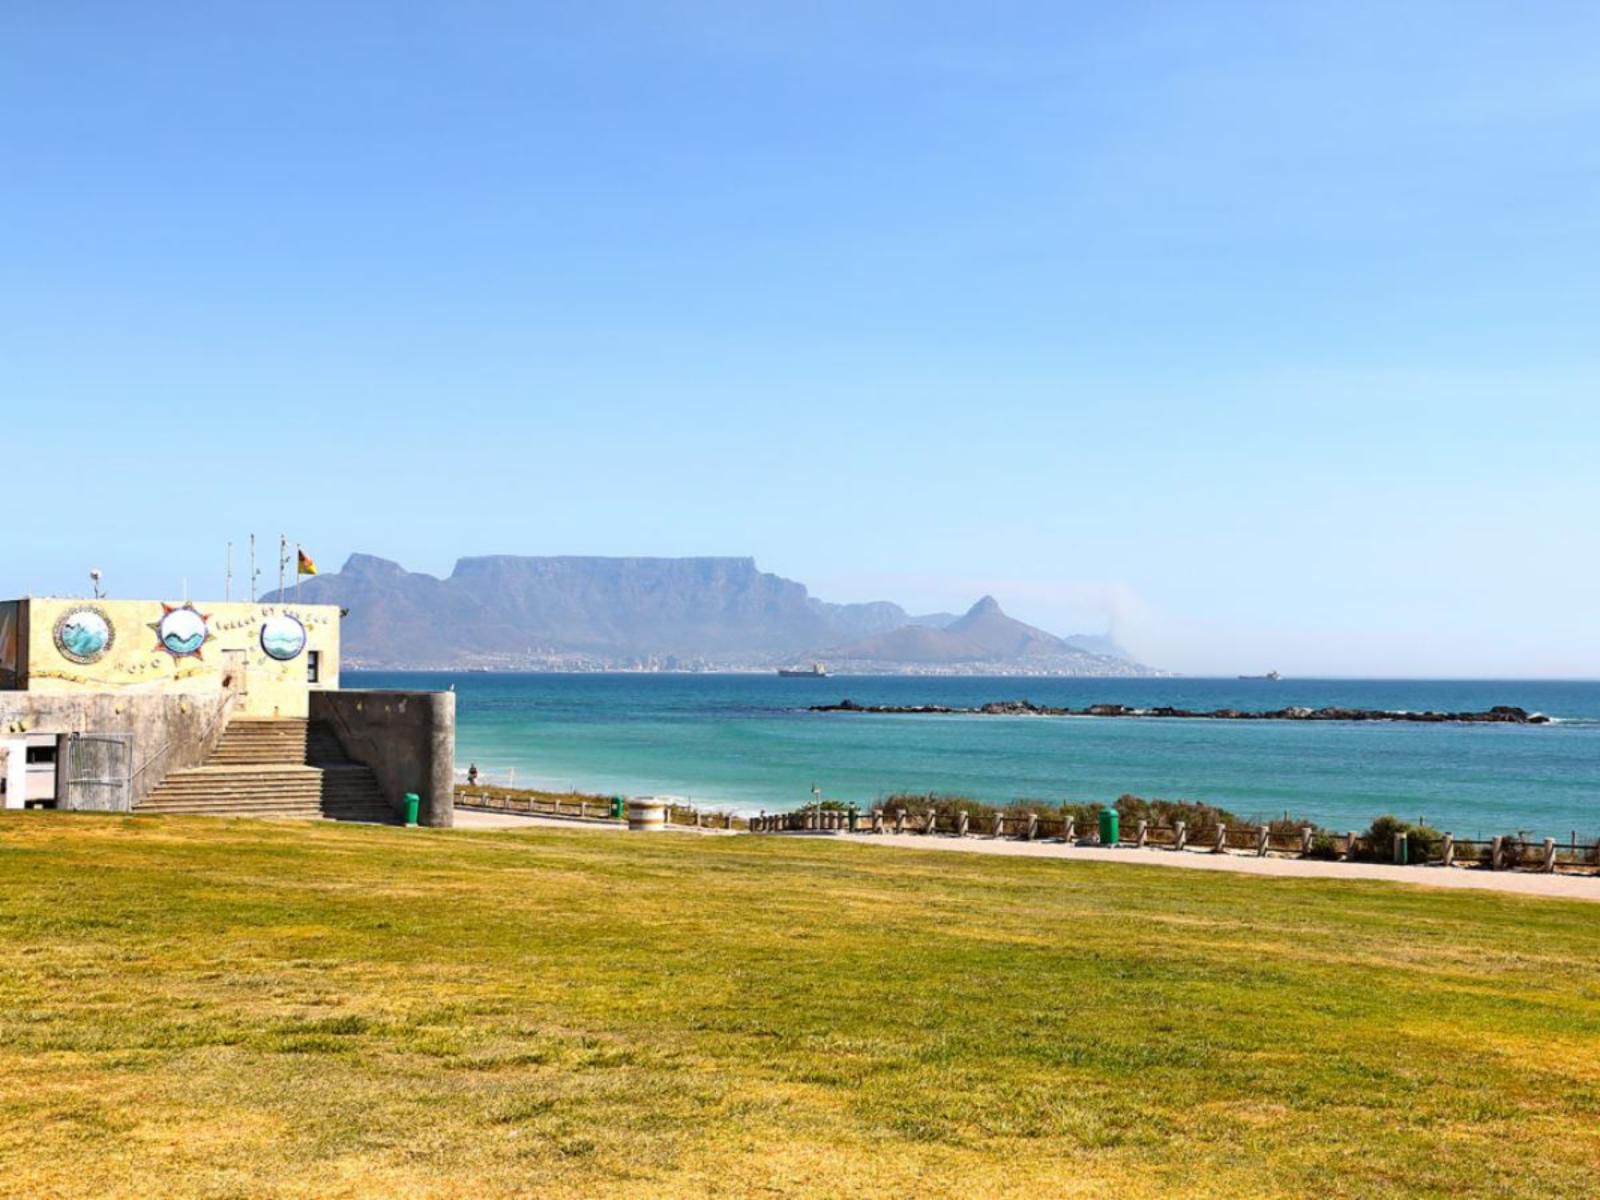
[{"x": 196, "y": 1008}]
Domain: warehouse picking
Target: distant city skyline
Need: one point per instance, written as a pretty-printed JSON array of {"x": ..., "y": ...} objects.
[{"x": 1262, "y": 336}]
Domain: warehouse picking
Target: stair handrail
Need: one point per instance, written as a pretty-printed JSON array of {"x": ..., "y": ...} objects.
[{"x": 222, "y": 708}]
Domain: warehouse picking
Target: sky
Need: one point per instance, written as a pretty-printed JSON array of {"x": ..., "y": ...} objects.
[{"x": 1263, "y": 335}]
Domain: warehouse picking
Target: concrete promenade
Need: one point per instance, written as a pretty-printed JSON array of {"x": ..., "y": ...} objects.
[{"x": 1526, "y": 883}]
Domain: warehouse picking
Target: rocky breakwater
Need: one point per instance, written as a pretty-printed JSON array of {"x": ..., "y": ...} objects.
[{"x": 1501, "y": 714}]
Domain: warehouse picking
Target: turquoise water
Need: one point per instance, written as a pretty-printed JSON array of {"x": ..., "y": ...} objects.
[{"x": 745, "y": 742}]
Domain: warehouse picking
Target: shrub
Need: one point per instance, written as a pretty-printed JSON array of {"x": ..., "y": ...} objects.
[
  {"x": 1423, "y": 840},
  {"x": 1323, "y": 846}
]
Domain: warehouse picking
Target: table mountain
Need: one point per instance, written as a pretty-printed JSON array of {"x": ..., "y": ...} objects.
[{"x": 583, "y": 612}]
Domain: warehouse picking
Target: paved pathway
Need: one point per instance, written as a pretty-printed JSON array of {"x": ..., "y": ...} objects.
[
  {"x": 1526, "y": 883},
  {"x": 1572, "y": 887}
]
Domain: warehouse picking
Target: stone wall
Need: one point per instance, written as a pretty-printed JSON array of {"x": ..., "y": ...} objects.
[
  {"x": 407, "y": 738},
  {"x": 167, "y": 732}
]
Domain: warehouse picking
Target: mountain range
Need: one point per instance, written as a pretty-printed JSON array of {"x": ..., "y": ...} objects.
[{"x": 587, "y": 613}]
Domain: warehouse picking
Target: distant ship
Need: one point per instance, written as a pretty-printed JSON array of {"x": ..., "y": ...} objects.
[
  {"x": 1272, "y": 676},
  {"x": 814, "y": 671}
]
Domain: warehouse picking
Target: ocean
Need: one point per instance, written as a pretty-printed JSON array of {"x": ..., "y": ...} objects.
[{"x": 746, "y": 742}]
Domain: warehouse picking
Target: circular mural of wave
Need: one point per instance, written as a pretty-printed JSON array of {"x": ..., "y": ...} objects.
[
  {"x": 282, "y": 637},
  {"x": 83, "y": 635},
  {"x": 182, "y": 631}
]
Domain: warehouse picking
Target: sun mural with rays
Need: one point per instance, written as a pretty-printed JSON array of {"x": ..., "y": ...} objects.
[{"x": 182, "y": 630}]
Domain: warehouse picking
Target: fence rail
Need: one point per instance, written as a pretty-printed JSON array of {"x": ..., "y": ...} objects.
[
  {"x": 1495, "y": 854},
  {"x": 598, "y": 809},
  {"x": 583, "y": 810}
]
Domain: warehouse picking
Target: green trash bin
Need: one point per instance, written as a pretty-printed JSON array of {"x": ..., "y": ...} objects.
[
  {"x": 413, "y": 802},
  {"x": 616, "y": 808},
  {"x": 1110, "y": 827}
]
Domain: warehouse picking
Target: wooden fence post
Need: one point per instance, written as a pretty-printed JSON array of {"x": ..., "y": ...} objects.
[
  {"x": 1262, "y": 835},
  {"x": 1549, "y": 863},
  {"x": 1222, "y": 840},
  {"x": 933, "y": 821},
  {"x": 1494, "y": 853},
  {"x": 961, "y": 823},
  {"x": 1349, "y": 845},
  {"x": 877, "y": 820},
  {"x": 1305, "y": 840},
  {"x": 998, "y": 829},
  {"x": 900, "y": 821},
  {"x": 1144, "y": 833},
  {"x": 1069, "y": 830},
  {"x": 727, "y": 820},
  {"x": 1180, "y": 834},
  {"x": 1447, "y": 849},
  {"x": 1033, "y": 827}
]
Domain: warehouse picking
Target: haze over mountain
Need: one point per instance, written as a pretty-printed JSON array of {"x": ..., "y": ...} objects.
[
  {"x": 673, "y": 613},
  {"x": 983, "y": 634}
]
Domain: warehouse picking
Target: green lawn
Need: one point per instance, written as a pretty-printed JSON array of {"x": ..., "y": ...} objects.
[{"x": 205, "y": 1008}]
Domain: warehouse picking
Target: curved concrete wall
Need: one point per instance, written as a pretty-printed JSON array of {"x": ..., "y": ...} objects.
[{"x": 407, "y": 738}]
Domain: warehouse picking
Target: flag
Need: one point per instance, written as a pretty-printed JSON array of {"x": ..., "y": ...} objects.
[{"x": 306, "y": 566}]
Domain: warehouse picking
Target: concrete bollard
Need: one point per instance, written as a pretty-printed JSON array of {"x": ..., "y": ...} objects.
[
  {"x": 1349, "y": 845},
  {"x": 1262, "y": 835},
  {"x": 1222, "y": 840},
  {"x": 1069, "y": 832},
  {"x": 1180, "y": 834},
  {"x": 1144, "y": 833},
  {"x": 933, "y": 822},
  {"x": 1447, "y": 850},
  {"x": 1548, "y": 865},
  {"x": 998, "y": 825},
  {"x": 1494, "y": 853},
  {"x": 961, "y": 823},
  {"x": 877, "y": 820},
  {"x": 1305, "y": 840},
  {"x": 727, "y": 820},
  {"x": 1033, "y": 827}
]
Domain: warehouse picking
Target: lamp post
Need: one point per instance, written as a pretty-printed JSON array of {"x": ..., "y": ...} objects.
[{"x": 816, "y": 795}]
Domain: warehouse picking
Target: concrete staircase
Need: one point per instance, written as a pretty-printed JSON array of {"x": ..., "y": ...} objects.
[{"x": 274, "y": 768}]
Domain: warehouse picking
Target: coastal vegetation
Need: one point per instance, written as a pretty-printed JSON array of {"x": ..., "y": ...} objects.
[{"x": 205, "y": 1008}]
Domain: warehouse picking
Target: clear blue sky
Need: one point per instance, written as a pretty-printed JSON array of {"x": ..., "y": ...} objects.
[{"x": 1270, "y": 332}]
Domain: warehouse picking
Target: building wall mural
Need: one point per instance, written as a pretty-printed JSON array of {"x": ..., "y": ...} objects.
[
  {"x": 257, "y": 650},
  {"x": 10, "y": 644},
  {"x": 283, "y": 637},
  {"x": 84, "y": 633},
  {"x": 181, "y": 631}
]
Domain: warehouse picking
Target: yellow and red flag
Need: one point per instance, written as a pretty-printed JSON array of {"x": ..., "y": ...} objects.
[{"x": 306, "y": 566}]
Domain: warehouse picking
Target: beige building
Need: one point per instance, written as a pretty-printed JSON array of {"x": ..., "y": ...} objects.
[
  {"x": 156, "y": 706},
  {"x": 269, "y": 656}
]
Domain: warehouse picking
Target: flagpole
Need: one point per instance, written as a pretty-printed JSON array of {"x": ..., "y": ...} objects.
[
  {"x": 283, "y": 554},
  {"x": 252, "y": 568},
  {"x": 299, "y": 553},
  {"x": 227, "y": 578}
]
